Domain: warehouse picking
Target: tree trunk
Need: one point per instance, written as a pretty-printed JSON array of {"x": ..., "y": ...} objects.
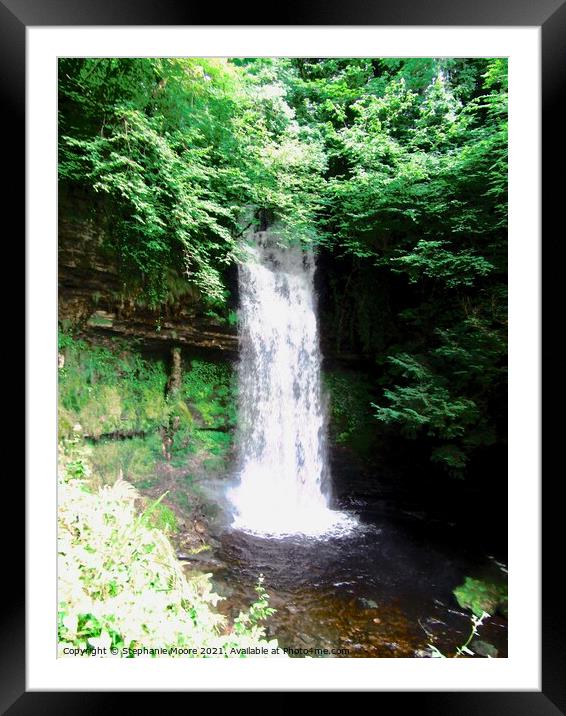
[
  {"x": 174, "y": 385},
  {"x": 176, "y": 376}
]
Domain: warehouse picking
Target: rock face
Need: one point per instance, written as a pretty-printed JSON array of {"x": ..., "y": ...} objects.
[{"x": 92, "y": 296}]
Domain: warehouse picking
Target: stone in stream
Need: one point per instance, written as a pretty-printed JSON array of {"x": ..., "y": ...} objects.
[
  {"x": 201, "y": 560},
  {"x": 483, "y": 648},
  {"x": 367, "y": 603},
  {"x": 221, "y": 587}
]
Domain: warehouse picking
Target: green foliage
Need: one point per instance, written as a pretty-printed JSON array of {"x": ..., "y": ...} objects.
[
  {"x": 414, "y": 217},
  {"x": 430, "y": 259},
  {"x": 480, "y": 596},
  {"x": 477, "y": 621},
  {"x": 449, "y": 392},
  {"x": 160, "y": 516},
  {"x": 426, "y": 403},
  {"x": 134, "y": 459},
  {"x": 103, "y": 391},
  {"x": 395, "y": 168},
  {"x": 232, "y": 318},
  {"x": 210, "y": 390},
  {"x": 258, "y": 612},
  {"x": 181, "y": 148},
  {"x": 351, "y": 422},
  {"x": 78, "y": 469},
  {"x": 418, "y": 166},
  {"x": 122, "y": 590}
]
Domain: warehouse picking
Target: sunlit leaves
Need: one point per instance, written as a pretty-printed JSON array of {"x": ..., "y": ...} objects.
[
  {"x": 122, "y": 589},
  {"x": 430, "y": 259},
  {"x": 183, "y": 148},
  {"x": 397, "y": 166}
]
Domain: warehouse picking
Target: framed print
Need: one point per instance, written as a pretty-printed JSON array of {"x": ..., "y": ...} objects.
[{"x": 274, "y": 440}]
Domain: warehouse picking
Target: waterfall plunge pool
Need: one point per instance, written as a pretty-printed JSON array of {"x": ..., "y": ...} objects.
[
  {"x": 383, "y": 589},
  {"x": 372, "y": 585}
]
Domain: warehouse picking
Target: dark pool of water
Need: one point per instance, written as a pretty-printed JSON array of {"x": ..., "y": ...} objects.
[{"x": 383, "y": 591}]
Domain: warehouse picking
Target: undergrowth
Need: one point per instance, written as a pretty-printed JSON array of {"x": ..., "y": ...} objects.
[
  {"x": 105, "y": 393},
  {"x": 122, "y": 591}
]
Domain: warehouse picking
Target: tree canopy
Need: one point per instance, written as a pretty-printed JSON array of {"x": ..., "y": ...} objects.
[{"x": 396, "y": 169}]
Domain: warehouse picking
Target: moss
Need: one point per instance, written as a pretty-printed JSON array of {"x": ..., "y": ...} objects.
[
  {"x": 209, "y": 389},
  {"x": 135, "y": 459},
  {"x": 182, "y": 500},
  {"x": 102, "y": 413},
  {"x": 480, "y": 596},
  {"x": 66, "y": 422},
  {"x": 114, "y": 390},
  {"x": 107, "y": 391}
]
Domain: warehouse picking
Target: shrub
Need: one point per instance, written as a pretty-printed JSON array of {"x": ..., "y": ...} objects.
[
  {"x": 482, "y": 596},
  {"x": 122, "y": 589},
  {"x": 209, "y": 388}
]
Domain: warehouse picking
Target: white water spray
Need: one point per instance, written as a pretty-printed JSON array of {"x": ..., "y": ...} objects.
[{"x": 284, "y": 481}]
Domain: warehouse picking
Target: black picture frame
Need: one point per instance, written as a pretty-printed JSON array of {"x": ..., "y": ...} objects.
[{"x": 550, "y": 15}]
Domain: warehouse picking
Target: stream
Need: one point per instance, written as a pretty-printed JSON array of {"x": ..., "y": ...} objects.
[
  {"x": 349, "y": 574},
  {"x": 384, "y": 589}
]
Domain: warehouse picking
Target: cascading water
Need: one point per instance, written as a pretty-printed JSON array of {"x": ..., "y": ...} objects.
[{"x": 284, "y": 481}]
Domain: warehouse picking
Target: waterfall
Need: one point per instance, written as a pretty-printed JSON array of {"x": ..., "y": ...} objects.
[{"x": 284, "y": 483}]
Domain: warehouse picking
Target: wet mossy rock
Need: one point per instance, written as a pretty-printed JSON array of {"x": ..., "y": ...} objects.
[
  {"x": 480, "y": 596},
  {"x": 135, "y": 410}
]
